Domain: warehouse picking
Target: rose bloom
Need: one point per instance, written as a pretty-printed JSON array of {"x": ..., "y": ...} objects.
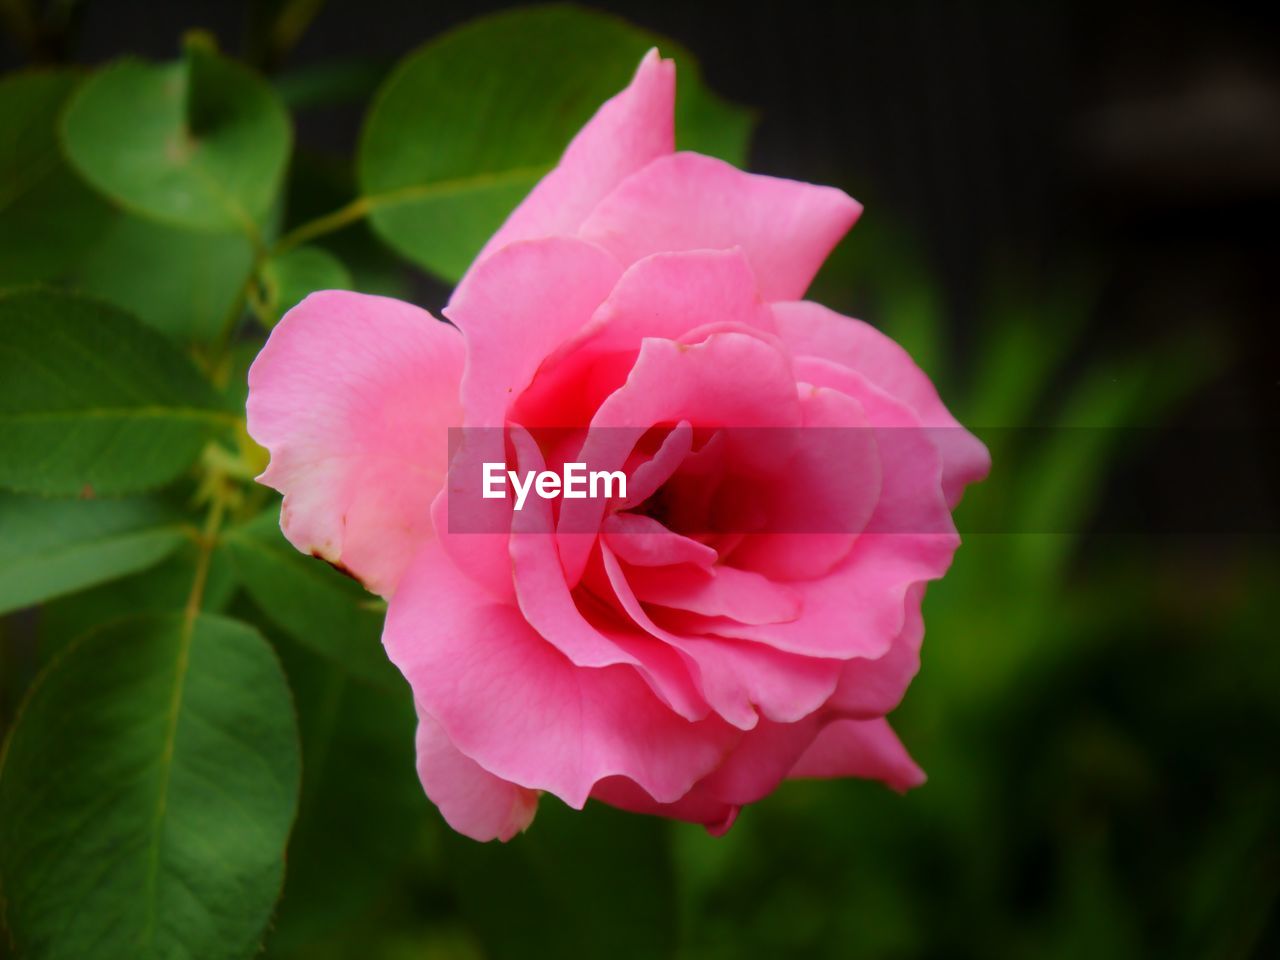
[{"x": 643, "y": 299}]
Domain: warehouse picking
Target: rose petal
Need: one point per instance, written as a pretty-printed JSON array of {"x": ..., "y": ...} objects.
[
  {"x": 515, "y": 308},
  {"x": 761, "y": 760},
  {"x": 811, "y": 330},
  {"x": 514, "y": 704},
  {"x": 575, "y": 543},
  {"x": 668, "y": 294},
  {"x": 825, "y": 496},
  {"x": 860, "y": 748},
  {"x": 549, "y": 608},
  {"x": 687, "y": 201},
  {"x": 353, "y": 395},
  {"x": 697, "y": 806},
  {"x": 912, "y": 498},
  {"x": 651, "y": 474},
  {"x": 871, "y": 688},
  {"x": 741, "y": 681},
  {"x": 858, "y": 608},
  {"x": 642, "y": 541},
  {"x": 721, "y": 591},
  {"x": 673, "y": 383},
  {"x": 473, "y": 801}
]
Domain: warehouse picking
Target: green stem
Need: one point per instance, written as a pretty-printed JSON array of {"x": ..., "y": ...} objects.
[
  {"x": 362, "y": 206},
  {"x": 354, "y": 211},
  {"x": 208, "y": 540}
]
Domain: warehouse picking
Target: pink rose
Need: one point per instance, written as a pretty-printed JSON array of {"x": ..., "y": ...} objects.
[{"x": 629, "y": 650}]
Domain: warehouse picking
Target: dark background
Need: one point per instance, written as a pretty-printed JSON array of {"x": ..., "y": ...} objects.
[{"x": 1082, "y": 196}]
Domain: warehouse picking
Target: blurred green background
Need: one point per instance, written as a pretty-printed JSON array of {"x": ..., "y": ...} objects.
[{"x": 1070, "y": 223}]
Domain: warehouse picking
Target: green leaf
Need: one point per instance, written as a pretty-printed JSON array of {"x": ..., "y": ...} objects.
[
  {"x": 160, "y": 589},
  {"x": 469, "y": 123},
  {"x": 291, "y": 276},
  {"x": 90, "y": 398},
  {"x": 200, "y": 143},
  {"x": 51, "y": 547},
  {"x": 183, "y": 284},
  {"x": 48, "y": 217},
  {"x": 316, "y": 606},
  {"x": 146, "y": 794}
]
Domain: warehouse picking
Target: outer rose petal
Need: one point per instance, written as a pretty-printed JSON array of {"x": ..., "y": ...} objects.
[
  {"x": 696, "y": 806},
  {"x": 872, "y": 688},
  {"x": 514, "y": 704},
  {"x": 763, "y": 757},
  {"x": 627, "y": 132},
  {"x": 474, "y": 802},
  {"x": 353, "y": 396},
  {"x": 860, "y": 748},
  {"x": 691, "y": 202},
  {"x": 812, "y": 330}
]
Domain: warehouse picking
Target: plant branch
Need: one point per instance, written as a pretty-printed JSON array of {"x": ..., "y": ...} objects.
[
  {"x": 208, "y": 540},
  {"x": 353, "y": 212}
]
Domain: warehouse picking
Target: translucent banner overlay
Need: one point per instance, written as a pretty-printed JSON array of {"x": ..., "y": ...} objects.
[{"x": 733, "y": 481}]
